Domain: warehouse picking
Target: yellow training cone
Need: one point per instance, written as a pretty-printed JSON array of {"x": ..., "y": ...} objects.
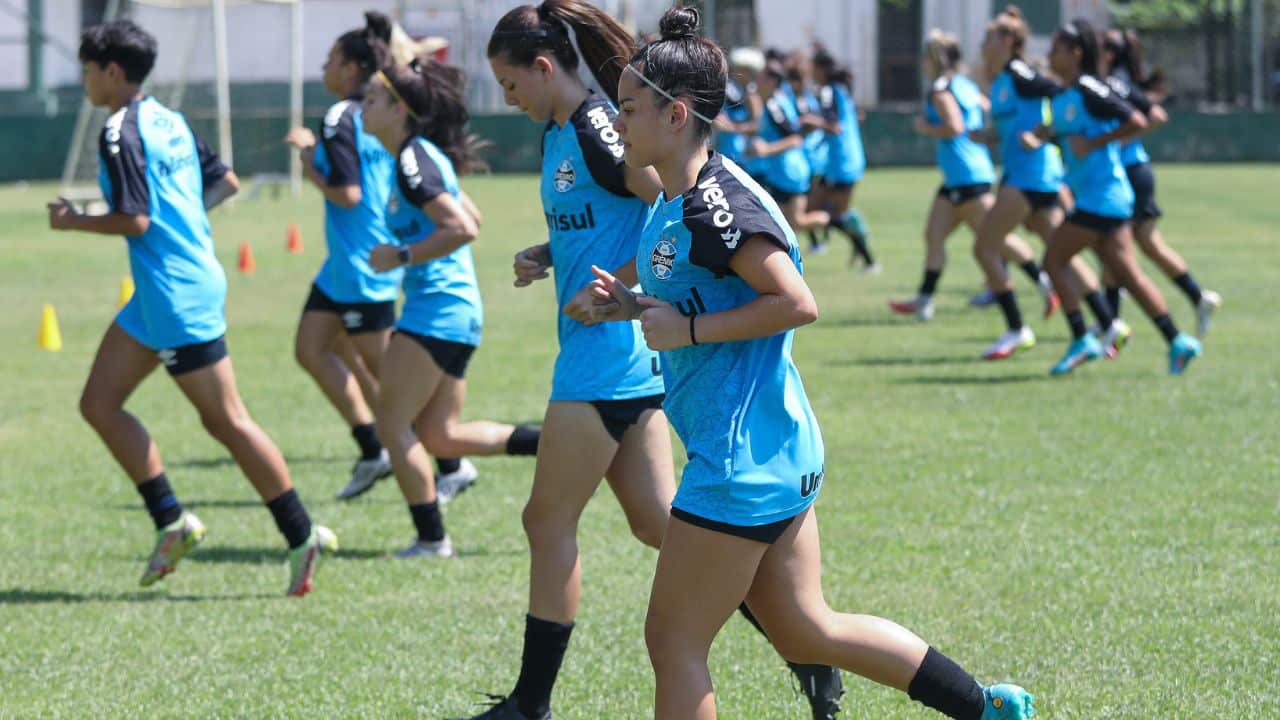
[
  {"x": 126, "y": 291},
  {"x": 49, "y": 338}
]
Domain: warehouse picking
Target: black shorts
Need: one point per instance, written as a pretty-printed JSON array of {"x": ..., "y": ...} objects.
[
  {"x": 356, "y": 317},
  {"x": 1037, "y": 199},
  {"x": 767, "y": 534},
  {"x": 779, "y": 196},
  {"x": 960, "y": 194},
  {"x": 451, "y": 357},
  {"x": 1097, "y": 223},
  {"x": 196, "y": 356},
  {"x": 838, "y": 187},
  {"x": 618, "y": 415},
  {"x": 1144, "y": 192}
]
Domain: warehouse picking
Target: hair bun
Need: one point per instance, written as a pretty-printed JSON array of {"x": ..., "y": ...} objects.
[
  {"x": 378, "y": 25},
  {"x": 680, "y": 23}
]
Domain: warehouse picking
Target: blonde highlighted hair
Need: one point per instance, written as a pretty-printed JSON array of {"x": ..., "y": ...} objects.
[
  {"x": 944, "y": 49},
  {"x": 1012, "y": 23}
]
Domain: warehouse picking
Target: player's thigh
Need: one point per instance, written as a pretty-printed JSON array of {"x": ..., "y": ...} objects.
[
  {"x": 409, "y": 379},
  {"x": 942, "y": 220},
  {"x": 119, "y": 366},
  {"x": 574, "y": 452},
  {"x": 316, "y": 333},
  {"x": 642, "y": 476},
  {"x": 371, "y": 347}
]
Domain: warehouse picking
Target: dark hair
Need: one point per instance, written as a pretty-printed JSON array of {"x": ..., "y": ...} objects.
[
  {"x": 1081, "y": 35},
  {"x": 432, "y": 91},
  {"x": 121, "y": 42},
  {"x": 681, "y": 62},
  {"x": 835, "y": 74},
  {"x": 1128, "y": 55},
  {"x": 775, "y": 71},
  {"x": 367, "y": 47},
  {"x": 1013, "y": 23},
  {"x": 944, "y": 48},
  {"x": 528, "y": 31}
]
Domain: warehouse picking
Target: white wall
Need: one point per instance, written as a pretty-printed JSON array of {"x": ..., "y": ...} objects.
[{"x": 848, "y": 28}]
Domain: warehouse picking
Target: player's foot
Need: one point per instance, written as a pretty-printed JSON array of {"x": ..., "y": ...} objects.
[
  {"x": 455, "y": 483},
  {"x": 984, "y": 298},
  {"x": 173, "y": 541},
  {"x": 1010, "y": 342},
  {"x": 1115, "y": 338},
  {"x": 1051, "y": 303},
  {"x": 1007, "y": 702},
  {"x": 304, "y": 558},
  {"x": 874, "y": 268},
  {"x": 364, "y": 474},
  {"x": 822, "y": 686},
  {"x": 1182, "y": 351},
  {"x": 426, "y": 548},
  {"x": 504, "y": 708},
  {"x": 921, "y": 306},
  {"x": 819, "y": 249},
  {"x": 1083, "y": 349},
  {"x": 1209, "y": 302}
]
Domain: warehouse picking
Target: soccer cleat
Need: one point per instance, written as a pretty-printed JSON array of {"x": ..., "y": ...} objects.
[
  {"x": 1182, "y": 351},
  {"x": 1010, "y": 342},
  {"x": 455, "y": 483},
  {"x": 426, "y": 548},
  {"x": 822, "y": 686},
  {"x": 364, "y": 474},
  {"x": 874, "y": 268},
  {"x": 173, "y": 542},
  {"x": 1115, "y": 338},
  {"x": 921, "y": 307},
  {"x": 1051, "y": 303},
  {"x": 1007, "y": 702},
  {"x": 1209, "y": 302},
  {"x": 304, "y": 558},
  {"x": 504, "y": 708},
  {"x": 819, "y": 249},
  {"x": 1082, "y": 350},
  {"x": 984, "y": 298}
]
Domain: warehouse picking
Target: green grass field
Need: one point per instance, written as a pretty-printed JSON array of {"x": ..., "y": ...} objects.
[{"x": 1111, "y": 540}]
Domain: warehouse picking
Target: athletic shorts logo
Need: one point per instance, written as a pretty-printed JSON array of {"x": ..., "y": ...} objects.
[
  {"x": 352, "y": 319},
  {"x": 662, "y": 259},
  {"x": 563, "y": 181},
  {"x": 168, "y": 357}
]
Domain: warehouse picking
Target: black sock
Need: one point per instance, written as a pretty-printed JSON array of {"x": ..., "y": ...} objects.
[
  {"x": 945, "y": 686},
  {"x": 523, "y": 441},
  {"x": 1075, "y": 320},
  {"x": 544, "y": 645},
  {"x": 446, "y": 466},
  {"x": 1113, "y": 299},
  {"x": 1009, "y": 306},
  {"x": 930, "y": 283},
  {"x": 813, "y": 239},
  {"x": 1189, "y": 286},
  {"x": 367, "y": 439},
  {"x": 1032, "y": 270},
  {"x": 291, "y": 518},
  {"x": 1167, "y": 328},
  {"x": 863, "y": 249},
  {"x": 426, "y": 518},
  {"x": 1101, "y": 309},
  {"x": 160, "y": 500}
]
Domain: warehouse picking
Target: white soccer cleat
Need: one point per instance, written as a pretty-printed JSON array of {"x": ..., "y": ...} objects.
[
  {"x": 364, "y": 474},
  {"x": 921, "y": 306},
  {"x": 423, "y": 548},
  {"x": 455, "y": 483},
  {"x": 1115, "y": 338},
  {"x": 1209, "y": 303},
  {"x": 1010, "y": 342}
]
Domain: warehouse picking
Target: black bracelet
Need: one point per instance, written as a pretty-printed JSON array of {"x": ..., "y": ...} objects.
[
  {"x": 693, "y": 336},
  {"x": 405, "y": 255}
]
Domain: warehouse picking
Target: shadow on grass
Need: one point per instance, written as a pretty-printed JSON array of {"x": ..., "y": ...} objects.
[
  {"x": 970, "y": 379},
  {"x": 273, "y": 555},
  {"x": 226, "y": 461},
  {"x": 23, "y": 596},
  {"x": 908, "y": 361}
]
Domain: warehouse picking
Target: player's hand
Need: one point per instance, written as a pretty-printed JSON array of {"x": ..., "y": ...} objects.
[
  {"x": 1029, "y": 140},
  {"x": 531, "y": 264},
  {"x": 384, "y": 257},
  {"x": 921, "y": 126},
  {"x": 611, "y": 301},
  {"x": 663, "y": 326},
  {"x": 62, "y": 214},
  {"x": 583, "y": 307},
  {"x": 301, "y": 138},
  {"x": 757, "y": 147},
  {"x": 1080, "y": 145}
]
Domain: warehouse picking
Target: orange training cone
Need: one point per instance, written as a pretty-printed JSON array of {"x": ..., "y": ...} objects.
[
  {"x": 246, "y": 264},
  {"x": 294, "y": 243},
  {"x": 126, "y": 291},
  {"x": 50, "y": 338}
]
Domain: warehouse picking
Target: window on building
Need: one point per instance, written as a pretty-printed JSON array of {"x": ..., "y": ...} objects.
[{"x": 900, "y": 50}]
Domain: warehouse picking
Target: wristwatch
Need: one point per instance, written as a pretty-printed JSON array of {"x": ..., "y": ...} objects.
[{"x": 406, "y": 256}]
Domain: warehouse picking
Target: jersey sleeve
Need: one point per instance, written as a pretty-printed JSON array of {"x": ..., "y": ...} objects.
[
  {"x": 1101, "y": 102},
  {"x": 778, "y": 116},
  {"x": 602, "y": 148},
  {"x": 123, "y": 157},
  {"x": 1131, "y": 93},
  {"x": 212, "y": 169},
  {"x": 733, "y": 95},
  {"x": 720, "y": 217},
  {"x": 418, "y": 175},
  {"x": 1030, "y": 84},
  {"x": 827, "y": 105},
  {"x": 338, "y": 136}
]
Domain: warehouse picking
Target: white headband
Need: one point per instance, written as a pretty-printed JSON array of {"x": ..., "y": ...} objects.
[
  {"x": 667, "y": 95},
  {"x": 587, "y": 77}
]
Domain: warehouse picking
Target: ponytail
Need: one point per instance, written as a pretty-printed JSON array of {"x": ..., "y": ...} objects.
[
  {"x": 1127, "y": 49},
  {"x": 432, "y": 92},
  {"x": 367, "y": 47}
]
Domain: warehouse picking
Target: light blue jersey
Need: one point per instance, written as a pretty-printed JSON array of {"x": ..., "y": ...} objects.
[
  {"x": 962, "y": 161},
  {"x": 346, "y": 155},
  {"x": 150, "y": 163},
  {"x": 815, "y": 141},
  {"x": 755, "y": 451},
  {"x": 592, "y": 219},
  {"x": 787, "y": 171},
  {"x": 442, "y": 299},
  {"x": 1133, "y": 152},
  {"x": 1098, "y": 181},
  {"x": 846, "y": 159},
  {"x": 1020, "y": 100},
  {"x": 731, "y": 144}
]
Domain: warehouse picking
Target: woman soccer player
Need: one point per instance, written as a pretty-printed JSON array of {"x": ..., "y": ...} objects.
[
  {"x": 845, "y": 160},
  {"x": 159, "y": 179},
  {"x": 416, "y": 112},
  {"x": 1091, "y": 121},
  {"x": 559, "y": 63},
  {"x": 720, "y": 270},
  {"x": 953, "y": 109},
  {"x": 1121, "y": 64}
]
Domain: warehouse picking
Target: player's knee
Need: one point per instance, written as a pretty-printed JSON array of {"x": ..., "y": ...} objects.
[
  {"x": 306, "y": 354},
  {"x": 94, "y": 409},
  {"x": 438, "y": 440},
  {"x": 799, "y": 640},
  {"x": 222, "y": 426},
  {"x": 649, "y": 530}
]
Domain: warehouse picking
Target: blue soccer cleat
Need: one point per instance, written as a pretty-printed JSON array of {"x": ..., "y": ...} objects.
[
  {"x": 1182, "y": 351},
  {"x": 1007, "y": 702},
  {"x": 1083, "y": 349}
]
